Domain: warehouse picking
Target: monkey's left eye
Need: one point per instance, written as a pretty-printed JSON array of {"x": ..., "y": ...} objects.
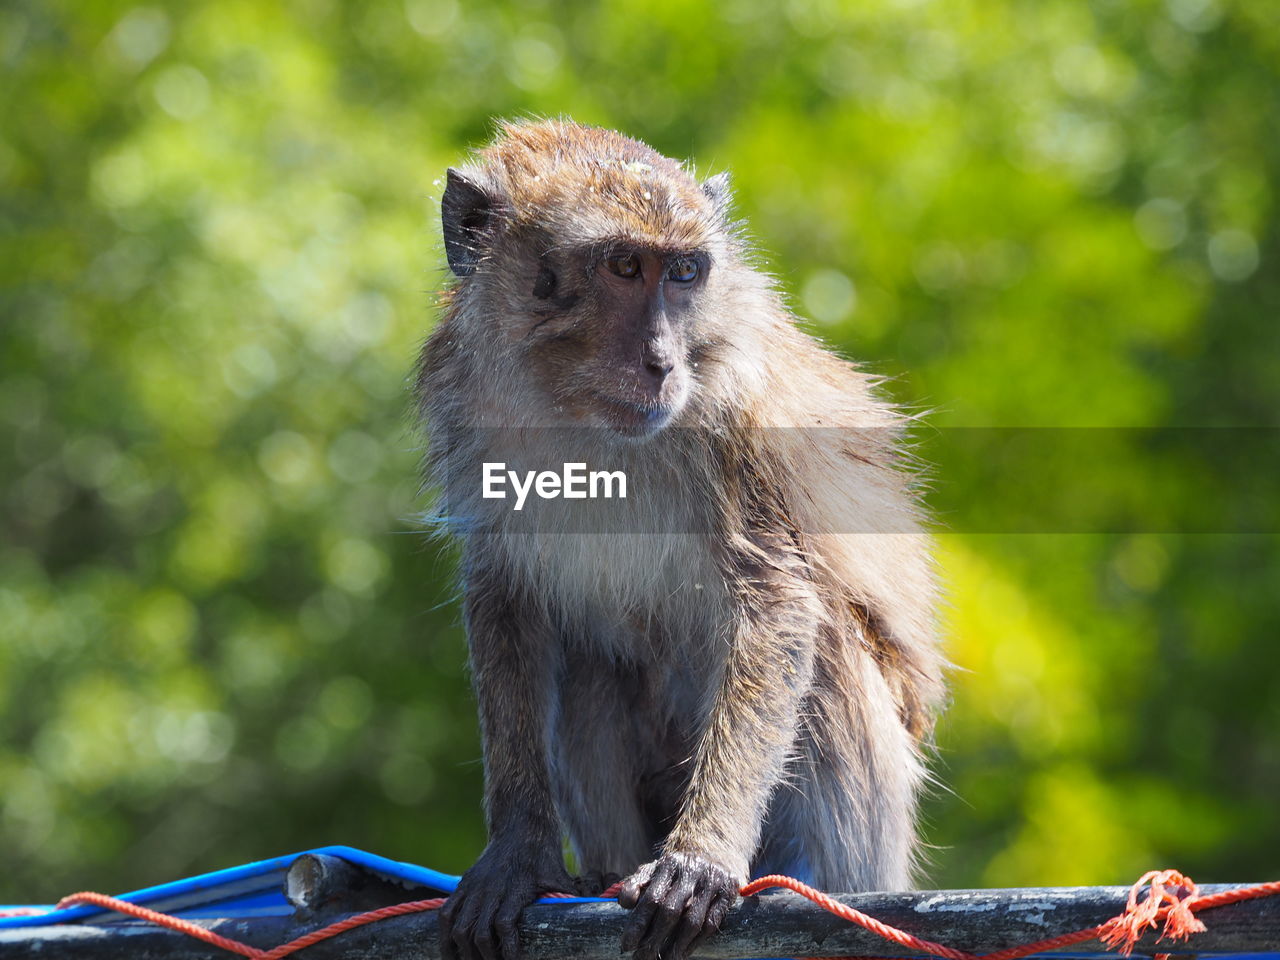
[
  {"x": 624, "y": 265},
  {"x": 684, "y": 270}
]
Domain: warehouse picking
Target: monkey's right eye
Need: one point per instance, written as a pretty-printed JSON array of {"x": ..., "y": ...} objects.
[
  {"x": 545, "y": 285},
  {"x": 624, "y": 265}
]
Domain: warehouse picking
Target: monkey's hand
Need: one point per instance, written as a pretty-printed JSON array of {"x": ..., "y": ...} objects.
[
  {"x": 678, "y": 901},
  {"x": 478, "y": 921}
]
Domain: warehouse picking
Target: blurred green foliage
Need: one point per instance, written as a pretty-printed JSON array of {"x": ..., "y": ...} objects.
[{"x": 221, "y": 635}]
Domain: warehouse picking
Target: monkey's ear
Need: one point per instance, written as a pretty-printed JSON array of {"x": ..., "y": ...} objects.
[
  {"x": 719, "y": 193},
  {"x": 466, "y": 212}
]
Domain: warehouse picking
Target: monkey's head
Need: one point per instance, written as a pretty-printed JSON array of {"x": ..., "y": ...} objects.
[{"x": 588, "y": 262}]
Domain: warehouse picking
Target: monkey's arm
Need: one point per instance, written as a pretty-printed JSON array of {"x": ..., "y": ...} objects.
[
  {"x": 684, "y": 895},
  {"x": 513, "y": 664}
]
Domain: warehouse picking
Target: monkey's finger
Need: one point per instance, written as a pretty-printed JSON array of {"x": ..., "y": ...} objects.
[
  {"x": 460, "y": 945},
  {"x": 486, "y": 939},
  {"x": 508, "y": 934},
  {"x": 666, "y": 918},
  {"x": 629, "y": 895},
  {"x": 671, "y": 917},
  {"x": 445, "y": 933},
  {"x": 647, "y": 906},
  {"x": 462, "y": 933},
  {"x": 692, "y": 923},
  {"x": 716, "y": 913},
  {"x": 463, "y": 945}
]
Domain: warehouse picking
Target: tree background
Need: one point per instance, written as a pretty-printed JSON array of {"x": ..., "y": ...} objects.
[{"x": 222, "y": 636}]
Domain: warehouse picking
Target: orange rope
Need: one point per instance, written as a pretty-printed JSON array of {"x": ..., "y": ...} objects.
[
  {"x": 1172, "y": 898},
  {"x": 244, "y": 949}
]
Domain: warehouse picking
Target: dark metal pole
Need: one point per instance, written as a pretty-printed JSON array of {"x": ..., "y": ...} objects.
[{"x": 775, "y": 924}]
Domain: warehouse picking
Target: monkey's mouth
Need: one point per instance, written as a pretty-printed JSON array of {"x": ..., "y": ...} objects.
[{"x": 635, "y": 420}]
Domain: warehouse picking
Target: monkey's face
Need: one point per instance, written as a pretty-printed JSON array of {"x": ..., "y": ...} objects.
[
  {"x": 610, "y": 333},
  {"x": 584, "y": 262}
]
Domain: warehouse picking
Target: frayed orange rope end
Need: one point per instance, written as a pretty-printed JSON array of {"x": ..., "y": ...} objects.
[{"x": 1169, "y": 895}]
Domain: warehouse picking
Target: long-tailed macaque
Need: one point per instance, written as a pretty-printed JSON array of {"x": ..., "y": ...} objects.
[{"x": 740, "y": 675}]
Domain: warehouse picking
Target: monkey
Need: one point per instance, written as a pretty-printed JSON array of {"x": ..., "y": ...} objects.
[{"x": 742, "y": 677}]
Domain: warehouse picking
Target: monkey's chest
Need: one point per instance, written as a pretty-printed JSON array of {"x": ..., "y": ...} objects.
[{"x": 628, "y": 588}]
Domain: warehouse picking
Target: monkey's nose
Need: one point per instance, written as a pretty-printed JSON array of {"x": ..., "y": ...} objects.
[
  {"x": 657, "y": 361},
  {"x": 658, "y": 368}
]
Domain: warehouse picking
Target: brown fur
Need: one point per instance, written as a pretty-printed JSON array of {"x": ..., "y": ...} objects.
[{"x": 746, "y": 669}]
